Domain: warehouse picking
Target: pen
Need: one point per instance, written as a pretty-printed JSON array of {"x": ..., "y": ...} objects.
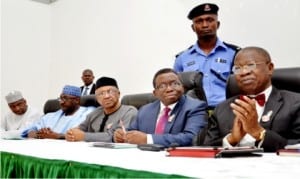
[{"x": 122, "y": 126}]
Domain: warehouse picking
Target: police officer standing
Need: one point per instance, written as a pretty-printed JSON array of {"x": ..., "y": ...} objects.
[{"x": 209, "y": 55}]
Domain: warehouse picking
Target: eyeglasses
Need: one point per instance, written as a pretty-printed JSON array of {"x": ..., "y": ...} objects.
[
  {"x": 248, "y": 67},
  {"x": 65, "y": 98},
  {"x": 164, "y": 86},
  {"x": 109, "y": 92}
]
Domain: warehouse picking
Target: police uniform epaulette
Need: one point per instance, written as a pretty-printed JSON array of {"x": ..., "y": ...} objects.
[
  {"x": 235, "y": 48},
  {"x": 183, "y": 51},
  {"x": 232, "y": 46}
]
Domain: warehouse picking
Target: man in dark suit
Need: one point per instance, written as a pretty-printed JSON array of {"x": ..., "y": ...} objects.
[
  {"x": 244, "y": 121},
  {"x": 184, "y": 116},
  {"x": 89, "y": 87}
]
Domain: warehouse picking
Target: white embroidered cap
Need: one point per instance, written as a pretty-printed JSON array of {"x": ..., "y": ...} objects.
[{"x": 13, "y": 96}]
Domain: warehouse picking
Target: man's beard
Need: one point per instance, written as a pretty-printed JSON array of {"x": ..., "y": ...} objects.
[{"x": 70, "y": 111}]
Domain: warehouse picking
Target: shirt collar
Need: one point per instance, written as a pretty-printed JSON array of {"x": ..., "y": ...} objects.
[
  {"x": 267, "y": 92},
  {"x": 171, "y": 106},
  {"x": 197, "y": 49},
  {"x": 90, "y": 86}
]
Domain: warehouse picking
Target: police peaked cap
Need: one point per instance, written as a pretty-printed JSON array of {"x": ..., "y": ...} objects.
[{"x": 206, "y": 8}]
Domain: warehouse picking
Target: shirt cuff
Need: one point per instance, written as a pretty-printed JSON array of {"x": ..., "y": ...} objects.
[
  {"x": 149, "y": 139},
  {"x": 225, "y": 142},
  {"x": 247, "y": 140}
]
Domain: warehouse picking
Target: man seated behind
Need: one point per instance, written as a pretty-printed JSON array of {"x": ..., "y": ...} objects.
[
  {"x": 103, "y": 121},
  {"x": 173, "y": 119},
  {"x": 54, "y": 125},
  {"x": 21, "y": 115},
  {"x": 243, "y": 121}
]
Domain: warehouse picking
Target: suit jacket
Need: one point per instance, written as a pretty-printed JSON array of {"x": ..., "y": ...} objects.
[
  {"x": 92, "y": 90},
  {"x": 188, "y": 118},
  {"x": 93, "y": 121},
  {"x": 283, "y": 127}
]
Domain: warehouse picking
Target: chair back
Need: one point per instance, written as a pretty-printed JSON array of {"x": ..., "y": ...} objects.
[
  {"x": 53, "y": 105},
  {"x": 282, "y": 78},
  {"x": 138, "y": 100},
  {"x": 192, "y": 83}
]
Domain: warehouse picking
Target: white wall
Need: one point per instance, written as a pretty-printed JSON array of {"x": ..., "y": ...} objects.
[
  {"x": 45, "y": 46},
  {"x": 25, "y": 50}
]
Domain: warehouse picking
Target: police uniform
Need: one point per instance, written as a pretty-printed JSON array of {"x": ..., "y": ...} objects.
[{"x": 215, "y": 66}]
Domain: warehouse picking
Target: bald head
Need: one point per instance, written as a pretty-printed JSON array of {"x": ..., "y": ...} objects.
[
  {"x": 265, "y": 56},
  {"x": 253, "y": 70}
]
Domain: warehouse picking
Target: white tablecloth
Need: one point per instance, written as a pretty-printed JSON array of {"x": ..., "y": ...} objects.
[{"x": 268, "y": 166}]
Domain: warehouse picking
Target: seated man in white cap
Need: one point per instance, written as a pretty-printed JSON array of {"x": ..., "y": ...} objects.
[
  {"x": 19, "y": 117},
  {"x": 103, "y": 121},
  {"x": 54, "y": 125}
]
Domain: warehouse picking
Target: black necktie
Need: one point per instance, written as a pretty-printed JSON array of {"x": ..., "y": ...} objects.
[{"x": 103, "y": 123}]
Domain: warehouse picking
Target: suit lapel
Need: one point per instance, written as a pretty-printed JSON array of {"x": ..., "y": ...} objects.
[
  {"x": 174, "y": 115},
  {"x": 93, "y": 89},
  {"x": 272, "y": 106},
  {"x": 151, "y": 123}
]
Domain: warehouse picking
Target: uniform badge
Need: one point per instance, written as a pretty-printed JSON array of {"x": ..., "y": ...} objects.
[{"x": 207, "y": 7}]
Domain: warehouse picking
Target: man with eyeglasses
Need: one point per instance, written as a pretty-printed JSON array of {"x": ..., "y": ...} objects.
[
  {"x": 21, "y": 115},
  {"x": 173, "y": 119},
  {"x": 100, "y": 125},
  {"x": 262, "y": 115},
  {"x": 209, "y": 55},
  {"x": 54, "y": 125}
]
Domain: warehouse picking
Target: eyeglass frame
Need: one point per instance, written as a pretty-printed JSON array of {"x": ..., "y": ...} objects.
[
  {"x": 109, "y": 92},
  {"x": 65, "y": 98},
  {"x": 249, "y": 67},
  {"x": 164, "y": 86}
]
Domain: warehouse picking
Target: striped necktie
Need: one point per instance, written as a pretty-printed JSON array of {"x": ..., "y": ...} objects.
[{"x": 85, "y": 91}]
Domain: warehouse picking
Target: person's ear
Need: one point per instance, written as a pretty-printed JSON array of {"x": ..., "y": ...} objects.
[
  {"x": 218, "y": 24},
  {"x": 192, "y": 26},
  {"x": 271, "y": 68},
  {"x": 154, "y": 92}
]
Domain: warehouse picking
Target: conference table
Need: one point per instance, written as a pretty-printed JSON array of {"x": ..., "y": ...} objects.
[{"x": 47, "y": 158}]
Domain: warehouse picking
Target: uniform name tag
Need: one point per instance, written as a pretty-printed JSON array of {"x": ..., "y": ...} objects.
[
  {"x": 191, "y": 63},
  {"x": 220, "y": 60}
]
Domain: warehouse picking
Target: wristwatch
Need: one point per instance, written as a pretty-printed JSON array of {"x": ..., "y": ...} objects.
[{"x": 262, "y": 135}]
